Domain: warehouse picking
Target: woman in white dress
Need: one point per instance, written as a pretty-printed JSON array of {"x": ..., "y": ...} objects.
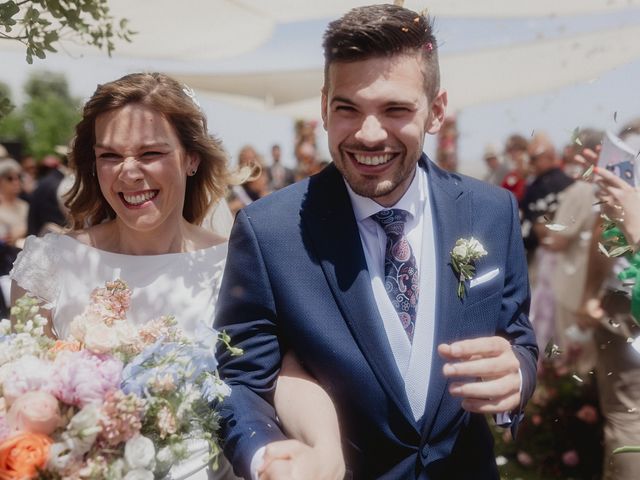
[{"x": 146, "y": 174}]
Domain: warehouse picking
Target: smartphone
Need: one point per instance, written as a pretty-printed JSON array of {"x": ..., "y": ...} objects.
[{"x": 619, "y": 158}]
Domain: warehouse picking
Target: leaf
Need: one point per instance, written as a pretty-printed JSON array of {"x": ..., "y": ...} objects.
[
  {"x": 575, "y": 133},
  {"x": 588, "y": 172},
  {"x": 619, "y": 251},
  {"x": 7, "y": 11},
  {"x": 603, "y": 250}
]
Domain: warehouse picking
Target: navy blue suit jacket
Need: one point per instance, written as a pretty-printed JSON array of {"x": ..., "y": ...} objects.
[{"x": 296, "y": 278}]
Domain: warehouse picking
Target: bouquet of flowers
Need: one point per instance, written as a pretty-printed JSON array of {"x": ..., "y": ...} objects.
[{"x": 112, "y": 401}]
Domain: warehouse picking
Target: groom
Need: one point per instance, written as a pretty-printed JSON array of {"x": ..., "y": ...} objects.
[{"x": 352, "y": 270}]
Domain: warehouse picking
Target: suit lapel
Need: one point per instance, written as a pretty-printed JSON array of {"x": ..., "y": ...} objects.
[
  {"x": 451, "y": 213},
  {"x": 327, "y": 215}
]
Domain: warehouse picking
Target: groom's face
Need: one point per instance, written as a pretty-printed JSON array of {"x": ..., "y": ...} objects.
[{"x": 376, "y": 113}]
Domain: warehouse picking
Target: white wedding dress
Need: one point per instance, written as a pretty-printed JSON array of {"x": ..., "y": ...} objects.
[{"x": 62, "y": 272}]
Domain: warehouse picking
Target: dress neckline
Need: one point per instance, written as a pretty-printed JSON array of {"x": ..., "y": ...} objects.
[{"x": 203, "y": 251}]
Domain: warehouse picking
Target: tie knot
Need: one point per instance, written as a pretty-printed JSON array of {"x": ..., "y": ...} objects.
[{"x": 392, "y": 221}]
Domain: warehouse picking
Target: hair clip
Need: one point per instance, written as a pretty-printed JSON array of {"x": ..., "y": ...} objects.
[{"x": 188, "y": 91}]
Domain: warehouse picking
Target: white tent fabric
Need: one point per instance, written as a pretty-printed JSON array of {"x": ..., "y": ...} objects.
[
  {"x": 471, "y": 78},
  {"x": 296, "y": 10},
  {"x": 200, "y": 30}
]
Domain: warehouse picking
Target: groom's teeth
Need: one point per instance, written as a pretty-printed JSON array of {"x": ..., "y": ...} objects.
[
  {"x": 372, "y": 159},
  {"x": 139, "y": 198}
]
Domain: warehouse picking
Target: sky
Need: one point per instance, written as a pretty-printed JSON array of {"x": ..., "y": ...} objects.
[{"x": 606, "y": 102}]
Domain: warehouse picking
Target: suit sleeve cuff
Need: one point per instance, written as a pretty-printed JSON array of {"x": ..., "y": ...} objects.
[
  {"x": 505, "y": 419},
  {"x": 256, "y": 462}
]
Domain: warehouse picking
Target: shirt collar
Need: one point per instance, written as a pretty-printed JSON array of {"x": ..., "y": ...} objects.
[{"x": 413, "y": 198}]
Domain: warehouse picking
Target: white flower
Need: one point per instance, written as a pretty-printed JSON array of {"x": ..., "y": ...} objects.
[
  {"x": 476, "y": 248},
  {"x": 460, "y": 251},
  {"x": 61, "y": 455},
  {"x": 84, "y": 427},
  {"x": 138, "y": 474},
  {"x": 139, "y": 453},
  {"x": 463, "y": 255},
  {"x": 5, "y": 326},
  {"x": 165, "y": 457}
]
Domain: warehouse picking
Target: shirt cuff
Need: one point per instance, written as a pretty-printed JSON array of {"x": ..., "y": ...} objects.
[
  {"x": 504, "y": 419},
  {"x": 256, "y": 462}
]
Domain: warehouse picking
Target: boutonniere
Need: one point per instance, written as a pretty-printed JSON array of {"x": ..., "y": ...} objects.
[{"x": 464, "y": 254}]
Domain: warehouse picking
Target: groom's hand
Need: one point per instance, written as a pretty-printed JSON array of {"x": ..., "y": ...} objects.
[
  {"x": 491, "y": 371},
  {"x": 294, "y": 460}
]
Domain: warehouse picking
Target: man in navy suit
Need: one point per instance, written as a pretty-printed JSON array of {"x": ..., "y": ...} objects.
[{"x": 352, "y": 271}]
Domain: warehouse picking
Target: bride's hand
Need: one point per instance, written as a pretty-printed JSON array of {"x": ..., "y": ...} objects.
[{"x": 294, "y": 460}]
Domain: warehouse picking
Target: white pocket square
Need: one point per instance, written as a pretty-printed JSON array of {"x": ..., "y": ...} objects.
[{"x": 485, "y": 277}]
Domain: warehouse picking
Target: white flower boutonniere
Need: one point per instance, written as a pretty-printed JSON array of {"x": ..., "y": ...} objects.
[{"x": 464, "y": 254}]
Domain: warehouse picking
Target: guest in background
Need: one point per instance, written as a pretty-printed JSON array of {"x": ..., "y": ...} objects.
[
  {"x": 571, "y": 240},
  {"x": 13, "y": 210},
  {"x": 538, "y": 208},
  {"x": 606, "y": 312},
  {"x": 541, "y": 197},
  {"x": 28, "y": 176},
  {"x": 516, "y": 150},
  {"x": 257, "y": 186},
  {"x": 45, "y": 214},
  {"x": 497, "y": 170},
  {"x": 279, "y": 176}
]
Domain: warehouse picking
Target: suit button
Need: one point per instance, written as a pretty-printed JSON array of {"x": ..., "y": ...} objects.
[{"x": 424, "y": 452}]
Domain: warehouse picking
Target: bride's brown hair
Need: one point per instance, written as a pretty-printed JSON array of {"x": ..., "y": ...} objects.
[{"x": 87, "y": 206}]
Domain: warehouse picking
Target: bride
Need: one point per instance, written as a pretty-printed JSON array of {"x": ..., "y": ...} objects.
[{"x": 146, "y": 174}]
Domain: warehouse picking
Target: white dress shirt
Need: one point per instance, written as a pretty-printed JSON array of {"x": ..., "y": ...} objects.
[{"x": 412, "y": 359}]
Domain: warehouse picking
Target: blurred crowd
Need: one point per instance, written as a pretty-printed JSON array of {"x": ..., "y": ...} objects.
[{"x": 580, "y": 308}]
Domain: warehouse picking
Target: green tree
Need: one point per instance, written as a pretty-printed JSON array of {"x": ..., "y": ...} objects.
[
  {"x": 11, "y": 124},
  {"x": 46, "y": 119},
  {"x": 41, "y": 24}
]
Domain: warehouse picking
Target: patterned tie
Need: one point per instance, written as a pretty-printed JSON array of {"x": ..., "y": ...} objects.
[{"x": 401, "y": 278}]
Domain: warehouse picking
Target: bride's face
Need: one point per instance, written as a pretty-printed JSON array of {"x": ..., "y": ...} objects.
[{"x": 142, "y": 168}]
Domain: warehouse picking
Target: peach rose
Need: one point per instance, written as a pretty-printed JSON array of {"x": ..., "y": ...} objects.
[
  {"x": 66, "y": 346},
  {"x": 35, "y": 412},
  {"x": 22, "y": 455}
]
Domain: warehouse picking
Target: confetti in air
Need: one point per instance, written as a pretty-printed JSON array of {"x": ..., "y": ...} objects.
[
  {"x": 556, "y": 227},
  {"x": 552, "y": 349}
]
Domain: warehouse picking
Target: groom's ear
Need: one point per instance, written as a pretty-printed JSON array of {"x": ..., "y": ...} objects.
[{"x": 438, "y": 110}]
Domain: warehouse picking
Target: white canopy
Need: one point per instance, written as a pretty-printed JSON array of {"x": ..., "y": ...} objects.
[
  {"x": 200, "y": 30},
  {"x": 471, "y": 78}
]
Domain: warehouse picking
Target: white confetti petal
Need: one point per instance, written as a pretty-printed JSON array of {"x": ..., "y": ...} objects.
[{"x": 556, "y": 227}]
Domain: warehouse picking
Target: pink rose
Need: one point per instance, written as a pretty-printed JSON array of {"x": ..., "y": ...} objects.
[
  {"x": 524, "y": 458},
  {"x": 82, "y": 378},
  {"x": 34, "y": 412},
  {"x": 588, "y": 414},
  {"x": 570, "y": 458}
]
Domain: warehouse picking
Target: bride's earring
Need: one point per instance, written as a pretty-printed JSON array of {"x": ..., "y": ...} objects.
[{"x": 192, "y": 172}]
